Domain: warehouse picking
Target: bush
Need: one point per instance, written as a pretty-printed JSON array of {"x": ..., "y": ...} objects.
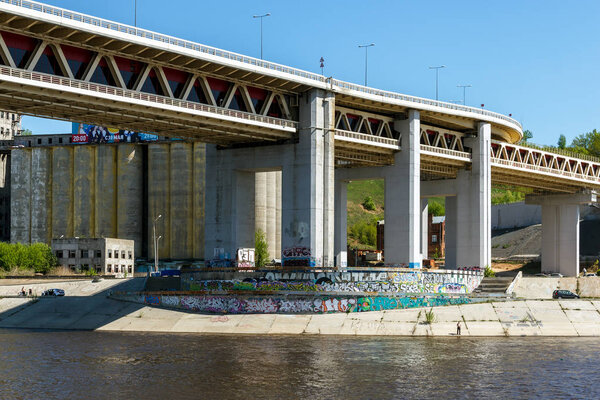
[
  {"x": 437, "y": 209},
  {"x": 429, "y": 317},
  {"x": 364, "y": 233},
  {"x": 369, "y": 204},
  {"x": 37, "y": 257},
  {"x": 489, "y": 272},
  {"x": 261, "y": 249}
]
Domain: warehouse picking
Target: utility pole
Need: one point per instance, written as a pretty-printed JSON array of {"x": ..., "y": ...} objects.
[
  {"x": 155, "y": 241},
  {"x": 437, "y": 69},
  {"x": 261, "y": 31},
  {"x": 366, "y": 47}
]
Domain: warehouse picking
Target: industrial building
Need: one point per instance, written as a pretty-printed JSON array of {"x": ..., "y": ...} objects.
[
  {"x": 106, "y": 256},
  {"x": 10, "y": 125}
]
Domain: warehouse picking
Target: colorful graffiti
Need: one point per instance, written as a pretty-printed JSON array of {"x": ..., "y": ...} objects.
[
  {"x": 297, "y": 257},
  {"x": 228, "y": 304}
]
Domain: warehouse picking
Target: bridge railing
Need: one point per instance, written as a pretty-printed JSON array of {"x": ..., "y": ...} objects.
[
  {"x": 447, "y": 152},
  {"x": 334, "y": 83},
  {"x": 388, "y": 142},
  {"x": 131, "y": 94}
]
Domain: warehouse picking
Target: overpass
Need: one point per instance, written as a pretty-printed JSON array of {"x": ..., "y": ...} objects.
[{"x": 318, "y": 132}]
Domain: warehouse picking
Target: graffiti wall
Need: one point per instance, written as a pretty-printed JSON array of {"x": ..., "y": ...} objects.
[
  {"x": 288, "y": 304},
  {"x": 413, "y": 282}
]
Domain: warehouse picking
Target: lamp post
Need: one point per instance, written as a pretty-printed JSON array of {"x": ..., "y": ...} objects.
[
  {"x": 366, "y": 47},
  {"x": 464, "y": 88},
  {"x": 437, "y": 70},
  {"x": 261, "y": 31},
  {"x": 155, "y": 241},
  {"x": 135, "y": 14}
]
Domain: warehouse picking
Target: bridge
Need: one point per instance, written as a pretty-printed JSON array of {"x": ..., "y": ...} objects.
[{"x": 318, "y": 132}]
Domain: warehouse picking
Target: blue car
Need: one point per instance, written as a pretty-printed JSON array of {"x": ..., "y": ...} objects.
[{"x": 53, "y": 292}]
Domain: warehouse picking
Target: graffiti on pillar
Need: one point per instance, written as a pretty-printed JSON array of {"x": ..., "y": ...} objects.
[{"x": 297, "y": 257}]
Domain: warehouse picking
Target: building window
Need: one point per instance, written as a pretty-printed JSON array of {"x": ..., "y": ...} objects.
[
  {"x": 71, "y": 266},
  {"x": 39, "y": 141},
  {"x": 109, "y": 254},
  {"x": 59, "y": 253},
  {"x": 71, "y": 253},
  {"x": 129, "y": 269},
  {"x": 84, "y": 254},
  {"x": 116, "y": 253},
  {"x": 122, "y": 268},
  {"x": 123, "y": 254},
  {"x": 109, "y": 268},
  {"x": 433, "y": 238},
  {"x": 98, "y": 254},
  {"x": 116, "y": 269},
  {"x": 59, "y": 140},
  {"x": 49, "y": 140},
  {"x": 129, "y": 254}
]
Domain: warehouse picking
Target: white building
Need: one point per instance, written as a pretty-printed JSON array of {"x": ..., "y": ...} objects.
[
  {"x": 107, "y": 256},
  {"x": 10, "y": 125}
]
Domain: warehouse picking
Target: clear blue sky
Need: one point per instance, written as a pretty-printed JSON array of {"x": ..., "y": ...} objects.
[{"x": 536, "y": 59}]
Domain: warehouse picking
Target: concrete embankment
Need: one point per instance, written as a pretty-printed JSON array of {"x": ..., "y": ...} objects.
[{"x": 95, "y": 311}]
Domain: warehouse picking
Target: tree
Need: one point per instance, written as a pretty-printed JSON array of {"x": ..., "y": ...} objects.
[
  {"x": 26, "y": 132},
  {"x": 527, "y": 134},
  {"x": 261, "y": 249},
  {"x": 562, "y": 142},
  {"x": 588, "y": 143},
  {"x": 369, "y": 204}
]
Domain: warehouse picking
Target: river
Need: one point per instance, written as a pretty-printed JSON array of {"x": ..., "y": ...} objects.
[{"x": 103, "y": 365}]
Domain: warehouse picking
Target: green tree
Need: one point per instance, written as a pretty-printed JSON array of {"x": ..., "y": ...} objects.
[
  {"x": 26, "y": 132},
  {"x": 437, "y": 209},
  {"x": 588, "y": 143},
  {"x": 562, "y": 142},
  {"x": 37, "y": 257},
  {"x": 261, "y": 249},
  {"x": 527, "y": 134},
  {"x": 369, "y": 204}
]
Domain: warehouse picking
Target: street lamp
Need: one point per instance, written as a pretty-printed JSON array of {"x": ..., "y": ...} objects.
[
  {"x": 261, "y": 30},
  {"x": 155, "y": 241},
  {"x": 135, "y": 14},
  {"x": 437, "y": 69},
  {"x": 464, "y": 88},
  {"x": 366, "y": 47}
]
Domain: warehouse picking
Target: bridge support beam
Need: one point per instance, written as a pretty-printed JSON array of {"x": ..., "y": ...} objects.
[
  {"x": 341, "y": 224},
  {"x": 402, "y": 238},
  {"x": 560, "y": 230},
  {"x": 424, "y": 228}
]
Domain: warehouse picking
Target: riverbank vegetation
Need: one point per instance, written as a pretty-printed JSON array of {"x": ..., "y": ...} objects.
[{"x": 19, "y": 259}]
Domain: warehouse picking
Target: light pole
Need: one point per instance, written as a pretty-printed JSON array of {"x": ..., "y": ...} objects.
[
  {"x": 437, "y": 70},
  {"x": 366, "y": 47},
  {"x": 464, "y": 88},
  {"x": 261, "y": 35},
  {"x": 135, "y": 14},
  {"x": 155, "y": 241}
]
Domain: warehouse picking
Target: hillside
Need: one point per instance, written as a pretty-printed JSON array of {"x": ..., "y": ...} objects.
[{"x": 362, "y": 231}]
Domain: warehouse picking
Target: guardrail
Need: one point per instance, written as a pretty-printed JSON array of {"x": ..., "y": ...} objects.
[
  {"x": 131, "y": 94},
  {"x": 520, "y": 165},
  {"x": 369, "y": 138},
  {"x": 87, "y": 19},
  {"x": 454, "y": 153}
]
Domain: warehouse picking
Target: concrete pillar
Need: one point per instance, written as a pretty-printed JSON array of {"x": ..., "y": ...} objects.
[
  {"x": 451, "y": 232},
  {"x": 260, "y": 198},
  {"x": 278, "y": 215},
  {"x": 242, "y": 211},
  {"x": 20, "y": 181},
  {"x": 106, "y": 197},
  {"x": 307, "y": 181},
  {"x": 560, "y": 230},
  {"x": 473, "y": 207},
  {"x": 341, "y": 224},
  {"x": 424, "y": 228},
  {"x": 271, "y": 217},
  {"x": 198, "y": 198},
  {"x": 180, "y": 206},
  {"x": 41, "y": 195},
  {"x": 84, "y": 191},
  {"x": 130, "y": 191},
  {"x": 402, "y": 197},
  {"x": 158, "y": 198},
  {"x": 62, "y": 192}
]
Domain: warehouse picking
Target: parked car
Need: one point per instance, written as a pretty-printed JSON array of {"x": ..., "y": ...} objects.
[
  {"x": 556, "y": 275},
  {"x": 589, "y": 274},
  {"x": 53, "y": 292},
  {"x": 564, "y": 294}
]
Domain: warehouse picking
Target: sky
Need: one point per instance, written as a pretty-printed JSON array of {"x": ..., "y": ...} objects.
[{"x": 535, "y": 59}]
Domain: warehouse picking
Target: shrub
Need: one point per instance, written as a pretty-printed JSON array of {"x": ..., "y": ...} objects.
[
  {"x": 37, "y": 257},
  {"x": 489, "y": 272},
  {"x": 437, "y": 209},
  {"x": 429, "y": 317},
  {"x": 369, "y": 204},
  {"x": 261, "y": 249},
  {"x": 364, "y": 233}
]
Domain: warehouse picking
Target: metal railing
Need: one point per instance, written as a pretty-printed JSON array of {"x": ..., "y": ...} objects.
[
  {"x": 440, "y": 150},
  {"x": 553, "y": 171},
  {"x": 368, "y": 138},
  {"x": 131, "y": 94},
  {"x": 561, "y": 152},
  {"x": 99, "y": 22}
]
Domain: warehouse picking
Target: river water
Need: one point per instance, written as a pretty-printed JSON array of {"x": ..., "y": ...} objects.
[{"x": 102, "y": 365}]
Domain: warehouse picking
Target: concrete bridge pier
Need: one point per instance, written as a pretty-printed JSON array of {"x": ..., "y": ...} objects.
[
  {"x": 560, "y": 230},
  {"x": 341, "y": 223},
  {"x": 235, "y": 182}
]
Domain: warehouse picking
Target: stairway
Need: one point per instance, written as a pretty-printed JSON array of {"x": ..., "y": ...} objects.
[{"x": 493, "y": 286}]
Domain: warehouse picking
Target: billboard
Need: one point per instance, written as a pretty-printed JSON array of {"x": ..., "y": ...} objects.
[{"x": 83, "y": 133}]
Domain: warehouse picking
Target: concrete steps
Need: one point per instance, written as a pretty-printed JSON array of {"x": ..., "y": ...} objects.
[{"x": 493, "y": 286}]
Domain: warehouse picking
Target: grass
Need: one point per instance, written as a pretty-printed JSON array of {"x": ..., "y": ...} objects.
[{"x": 429, "y": 317}]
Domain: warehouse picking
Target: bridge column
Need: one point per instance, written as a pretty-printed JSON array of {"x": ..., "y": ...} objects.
[
  {"x": 402, "y": 240},
  {"x": 470, "y": 211},
  {"x": 341, "y": 224},
  {"x": 308, "y": 182},
  {"x": 560, "y": 230},
  {"x": 424, "y": 228}
]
